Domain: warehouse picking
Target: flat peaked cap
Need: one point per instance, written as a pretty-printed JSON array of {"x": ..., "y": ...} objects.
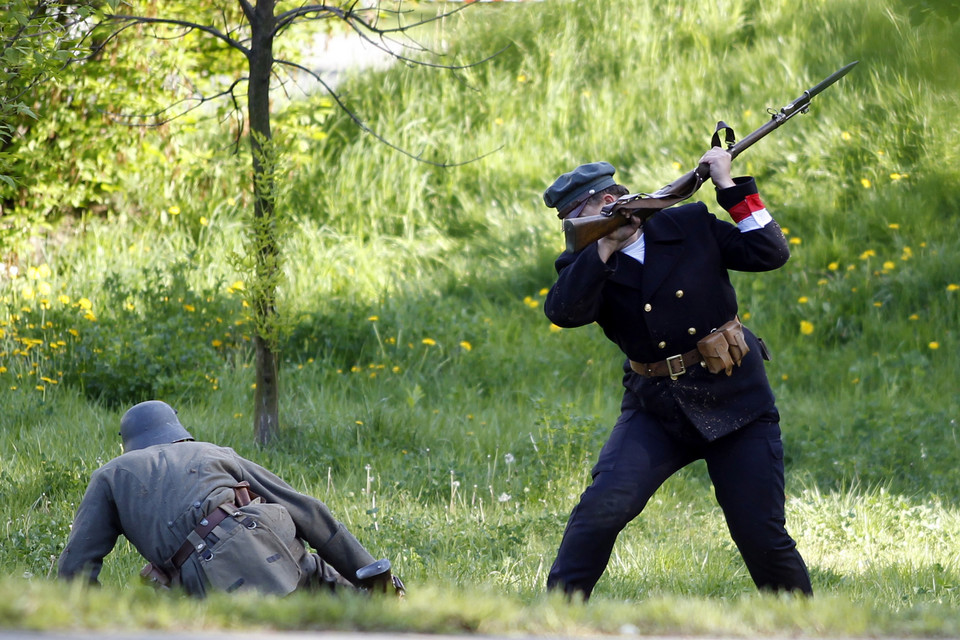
[{"x": 574, "y": 186}]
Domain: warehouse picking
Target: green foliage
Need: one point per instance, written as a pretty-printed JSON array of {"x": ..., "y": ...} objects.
[
  {"x": 36, "y": 42},
  {"x": 155, "y": 335}
]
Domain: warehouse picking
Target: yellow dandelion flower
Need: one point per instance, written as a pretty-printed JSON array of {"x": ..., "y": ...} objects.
[
  {"x": 466, "y": 346},
  {"x": 745, "y": 315},
  {"x": 803, "y": 300},
  {"x": 396, "y": 369},
  {"x": 27, "y": 293},
  {"x": 521, "y": 78},
  {"x": 833, "y": 266},
  {"x": 913, "y": 316},
  {"x": 498, "y": 122},
  {"x": 90, "y": 316},
  {"x": 934, "y": 345},
  {"x": 544, "y": 291},
  {"x": 855, "y": 381},
  {"x": 878, "y": 304},
  {"x": 869, "y": 253},
  {"x": 63, "y": 299},
  {"x": 174, "y": 210},
  {"x": 784, "y": 377},
  {"x": 822, "y": 281},
  {"x": 866, "y": 183},
  {"x": 429, "y": 342},
  {"x": 189, "y": 307},
  {"x": 677, "y": 165},
  {"x": 373, "y": 318},
  {"x": 845, "y": 135},
  {"x": 44, "y": 288},
  {"x": 359, "y": 422},
  {"x": 893, "y": 225},
  {"x": 217, "y": 343},
  {"x": 953, "y": 287},
  {"x": 889, "y": 265},
  {"x": 795, "y": 240},
  {"x": 204, "y": 222},
  {"x": 3, "y": 369},
  {"x": 85, "y": 304},
  {"x": 785, "y": 230},
  {"x": 554, "y": 328},
  {"x": 896, "y": 176},
  {"x": 806, "y": 327}
]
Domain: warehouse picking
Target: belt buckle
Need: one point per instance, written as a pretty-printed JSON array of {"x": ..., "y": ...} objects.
[{"x": 676, "y": 372}]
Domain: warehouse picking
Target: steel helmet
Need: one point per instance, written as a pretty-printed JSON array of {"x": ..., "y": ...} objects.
[{"x": 149, "y": 423}]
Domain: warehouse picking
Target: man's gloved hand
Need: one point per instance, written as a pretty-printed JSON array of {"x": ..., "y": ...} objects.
[{"x": 378, "y": 578}]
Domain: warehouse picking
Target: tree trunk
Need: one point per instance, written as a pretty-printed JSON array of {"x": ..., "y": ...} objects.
[{"x": 266, "y": 396}]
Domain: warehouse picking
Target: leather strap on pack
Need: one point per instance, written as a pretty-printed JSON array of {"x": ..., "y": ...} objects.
[{"x": 242, "y": 497}]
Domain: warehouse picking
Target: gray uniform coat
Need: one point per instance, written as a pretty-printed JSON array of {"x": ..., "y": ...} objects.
[{"x": 156, "y": 496}]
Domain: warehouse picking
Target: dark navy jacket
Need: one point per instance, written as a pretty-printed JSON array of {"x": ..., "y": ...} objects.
[{"x": 678, "y": 295}]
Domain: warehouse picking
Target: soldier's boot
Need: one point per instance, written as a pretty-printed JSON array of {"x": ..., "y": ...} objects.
[{"x": 377, "y": 577}]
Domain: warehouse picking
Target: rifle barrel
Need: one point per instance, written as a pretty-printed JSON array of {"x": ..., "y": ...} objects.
[
  {"x": 580, "y": 232},
  {"x": 799, "y": 105}
]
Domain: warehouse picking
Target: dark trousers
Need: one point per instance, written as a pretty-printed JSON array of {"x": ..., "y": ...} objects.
[{"x": 746, "y": 468}]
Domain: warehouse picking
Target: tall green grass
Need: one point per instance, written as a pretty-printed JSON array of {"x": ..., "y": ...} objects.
[{"x": 428, "y": 401}]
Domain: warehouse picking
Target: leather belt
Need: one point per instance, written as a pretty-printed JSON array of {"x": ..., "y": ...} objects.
[
  {"x": 206, "y": 525},
  {"x": 673, "y": 366}
]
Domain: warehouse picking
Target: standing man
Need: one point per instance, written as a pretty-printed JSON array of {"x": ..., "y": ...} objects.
[
  {"x": 204, "y": 518},
  {"x": 694, "y": 380}
]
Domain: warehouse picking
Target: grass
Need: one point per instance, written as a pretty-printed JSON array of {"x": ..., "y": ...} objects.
[{"x": 428, "y": 401}]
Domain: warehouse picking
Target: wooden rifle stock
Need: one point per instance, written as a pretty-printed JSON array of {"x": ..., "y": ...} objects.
[{"x": 582, "y": 232}]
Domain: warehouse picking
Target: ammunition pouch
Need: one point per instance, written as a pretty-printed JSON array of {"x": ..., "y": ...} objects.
[{"x": 724, "y": 347}]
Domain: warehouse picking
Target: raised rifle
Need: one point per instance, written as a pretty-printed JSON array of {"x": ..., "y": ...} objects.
[{"x": 581, "y": 232}]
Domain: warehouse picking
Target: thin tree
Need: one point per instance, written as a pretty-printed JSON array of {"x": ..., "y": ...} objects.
[{"x": 253, "y": 31}]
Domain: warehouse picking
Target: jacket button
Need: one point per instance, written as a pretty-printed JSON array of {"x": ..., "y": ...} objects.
[
  {"x": 692, "y": 331},
  {"x": 648, "y": 307},
  {"x": 679, "y": 293},
  {"x": 662, "y": 345}
]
